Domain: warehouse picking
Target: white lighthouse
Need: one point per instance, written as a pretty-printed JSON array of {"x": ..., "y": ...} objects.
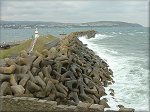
[{"x": 36, "y": 34}]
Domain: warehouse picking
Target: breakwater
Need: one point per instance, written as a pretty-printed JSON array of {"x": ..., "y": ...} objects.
[{"x": 67, "y": 73}]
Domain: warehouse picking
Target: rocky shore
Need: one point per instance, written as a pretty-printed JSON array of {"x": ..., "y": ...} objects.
[
  {"x": 8, "y": 45},
  {"x": 67, "y": 72}
]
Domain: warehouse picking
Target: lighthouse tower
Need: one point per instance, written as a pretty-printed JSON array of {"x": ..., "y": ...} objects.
[{"x": 36, "y": 34}]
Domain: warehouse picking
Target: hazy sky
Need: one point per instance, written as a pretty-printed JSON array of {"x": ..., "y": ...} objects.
[{"x": 134, "y": 11}]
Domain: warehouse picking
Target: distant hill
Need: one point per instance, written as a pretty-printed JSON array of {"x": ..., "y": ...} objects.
[
  {"x": 112, "y": 24},
  {"x": 42, "y": 24}
]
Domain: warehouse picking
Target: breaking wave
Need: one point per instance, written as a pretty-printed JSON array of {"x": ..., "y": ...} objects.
[{"x": 131, "y": 78}]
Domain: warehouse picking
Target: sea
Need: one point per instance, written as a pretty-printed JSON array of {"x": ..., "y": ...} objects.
[{"x": 125, "y": 49}]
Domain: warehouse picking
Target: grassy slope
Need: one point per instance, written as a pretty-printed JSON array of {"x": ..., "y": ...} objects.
[{"x": 26, "y": 45}]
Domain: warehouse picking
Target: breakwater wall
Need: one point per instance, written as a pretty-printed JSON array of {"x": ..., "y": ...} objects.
[
  {"x": 89, "y": 34},
  {"x": 68, "y": 74},
  {"x": 18, "y": 104},
  {"x": 11, "y": 103}
]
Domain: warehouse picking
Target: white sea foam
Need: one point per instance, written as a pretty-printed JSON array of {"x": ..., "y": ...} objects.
[
  {"x": 140, "y": 32},
  {"x": 111, "y": 51},
  {"x": 114, "y": 33},
  {"x": 99, "y": 37},
  {"x": 131, "y": 80},
  {"x": 130, "y": 33}
]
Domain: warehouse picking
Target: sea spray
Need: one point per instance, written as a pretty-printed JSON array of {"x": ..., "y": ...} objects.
[
  {"x": 130, "y": 75},
  {"x": 111, "y": 100}
]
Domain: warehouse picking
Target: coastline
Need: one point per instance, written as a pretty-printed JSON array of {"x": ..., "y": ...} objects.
[{"x": 11, "y": 44}]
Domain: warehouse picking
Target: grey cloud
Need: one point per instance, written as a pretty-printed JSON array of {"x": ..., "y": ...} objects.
[{"x": 76, "y": 11}]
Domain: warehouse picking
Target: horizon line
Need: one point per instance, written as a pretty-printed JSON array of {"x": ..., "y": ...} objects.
[{"x": 72, "y": 22}]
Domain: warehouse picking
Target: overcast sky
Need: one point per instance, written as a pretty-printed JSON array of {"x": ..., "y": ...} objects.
[{"x": 134, "y": 11}]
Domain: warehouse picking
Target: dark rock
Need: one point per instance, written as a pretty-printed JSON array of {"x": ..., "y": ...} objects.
[
  {"x": 18, "y": 89},
  {"x": 74, "y": 97},
  {"x": 104, "y": 103},
  {"x": 4, "y": 77},
  {"x": 83, "y": 106},
  {"x": 123, "y": 109},
  {"x": 24, "y": 80},
  {"x": 40, "y": 82},
  {"x": 5, "y": 89},
  {"x": 96, "y": 108},
  {"x": 32, "y": 87},
  {"x": 8, "y": 70},
  {"x": 40, "y": 94}
]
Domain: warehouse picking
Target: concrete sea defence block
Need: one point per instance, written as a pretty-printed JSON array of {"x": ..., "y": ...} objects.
[
  {"x": 83, "y": 106},
  {"x": 96, "y": 108}
]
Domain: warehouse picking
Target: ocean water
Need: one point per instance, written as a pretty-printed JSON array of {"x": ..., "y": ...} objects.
[
  {"x": 127, "y": 53},
  {"x": 126, "y": 50},
  {"x": 7, "y": 35}
]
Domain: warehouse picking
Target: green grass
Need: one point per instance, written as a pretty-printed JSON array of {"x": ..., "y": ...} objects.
[{"x": 39, "y": 46}]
